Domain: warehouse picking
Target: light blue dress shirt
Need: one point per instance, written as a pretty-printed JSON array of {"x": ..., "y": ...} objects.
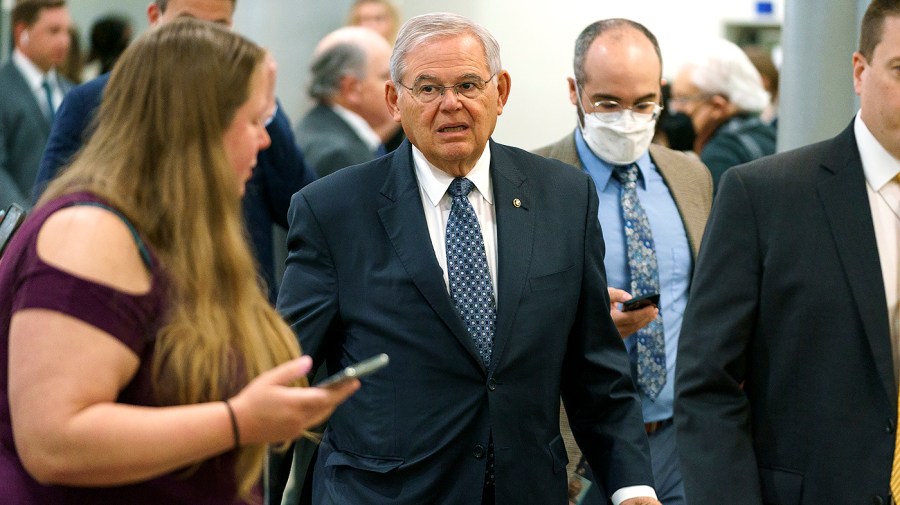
[{"x": 673, "y": 256}]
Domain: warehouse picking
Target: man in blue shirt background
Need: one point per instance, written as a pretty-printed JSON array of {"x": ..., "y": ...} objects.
[{"x": 616, "y": 91}]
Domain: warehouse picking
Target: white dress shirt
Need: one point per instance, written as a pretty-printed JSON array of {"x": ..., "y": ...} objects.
[
  {"x": 881, "y": 170},
  {"x": 433, "y": 184},
  {"x": 359, "y": 126},
  {"x": 35, "y": 79}
]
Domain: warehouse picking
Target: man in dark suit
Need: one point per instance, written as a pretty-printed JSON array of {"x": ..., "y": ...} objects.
[
  {"x": 31, "y": 92},
  {"x": 486, "y": 301},
  {"x": 786, "y": 385},
  {"x": 616, "y": 93},
  {"x": 280, "y": 170},
  {"x": 350, "y": 122}
]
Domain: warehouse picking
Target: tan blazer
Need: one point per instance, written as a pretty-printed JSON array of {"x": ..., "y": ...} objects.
[
  {"x": 687, "y": 177},
  {"x": 689, "y": 183}
]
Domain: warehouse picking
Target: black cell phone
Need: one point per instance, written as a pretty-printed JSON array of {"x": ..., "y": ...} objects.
[
  {"x": 639, "y": 302},
  {"x": 9, "y": 224},
  {"x": 357, "y": 370}
]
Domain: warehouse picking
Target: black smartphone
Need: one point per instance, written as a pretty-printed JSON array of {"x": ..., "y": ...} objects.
[
  {"x": 10, "y": 222},
  {"x": 356, "y": 370},
  {"x": 639, "y": 302}
]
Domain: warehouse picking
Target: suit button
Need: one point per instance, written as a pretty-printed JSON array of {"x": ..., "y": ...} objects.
[
  {"x": 891, "y": 425},
  {"x": 492, "y": 384},
  {"x": 877, "y": 500},
  {"x": 478, "y": 452}
]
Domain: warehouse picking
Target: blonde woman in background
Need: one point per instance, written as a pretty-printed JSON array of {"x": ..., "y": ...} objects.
[
  {"x": 381, "y": 16},
  {"x": 139, "y": 358}
]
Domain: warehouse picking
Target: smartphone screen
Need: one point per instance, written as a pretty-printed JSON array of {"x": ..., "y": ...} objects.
[
  {"x": 11, "y": 220},
  {"x": 639, "y": 302},
  {"x": 357, "y": 370}
]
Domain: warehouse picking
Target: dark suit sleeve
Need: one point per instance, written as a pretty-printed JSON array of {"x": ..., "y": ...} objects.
[
  {"x": 597, "y": 388},
  {"x": 712, "y": 413},
  {"x": 283, "y": 167},
  {"x": 68, "y": 132},
  {"x": 308, "y": 298}
]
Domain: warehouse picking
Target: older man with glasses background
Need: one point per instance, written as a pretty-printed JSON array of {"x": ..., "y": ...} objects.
[{"x": 653, "y": 208}]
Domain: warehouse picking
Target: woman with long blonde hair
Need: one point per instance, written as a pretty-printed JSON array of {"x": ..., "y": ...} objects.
[{"x": 139, "y": 358}]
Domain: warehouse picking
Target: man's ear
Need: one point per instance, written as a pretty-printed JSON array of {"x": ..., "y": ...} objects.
[
  {"x": 153, "y": 13},
  {"x": 391, "y": 97}
]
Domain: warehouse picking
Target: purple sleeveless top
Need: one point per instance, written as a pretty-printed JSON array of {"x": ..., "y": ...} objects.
[{"x": 27, "y": 282}]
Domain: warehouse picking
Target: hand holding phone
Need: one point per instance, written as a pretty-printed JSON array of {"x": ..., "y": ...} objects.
[
  {"x": 356, "y": 370},
  {"x": 639, "y": 302}
]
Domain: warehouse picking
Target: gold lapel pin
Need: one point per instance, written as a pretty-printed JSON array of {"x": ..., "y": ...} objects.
[{"x": 517, "y": 203}]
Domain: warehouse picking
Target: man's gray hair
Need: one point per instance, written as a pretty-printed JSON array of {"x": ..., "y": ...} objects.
[
  {"x": 722, "y": 68},
  {"x": 428, "y": 27},
  {"x": 331, "y": 65}
]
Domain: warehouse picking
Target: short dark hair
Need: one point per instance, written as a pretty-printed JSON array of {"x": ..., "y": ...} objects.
[
  {"x": 162, "y": 4},
  {"x": 597, "y": 28},
  {"x": 28, "y": 11},
  {"x": 873, "y": 24}
]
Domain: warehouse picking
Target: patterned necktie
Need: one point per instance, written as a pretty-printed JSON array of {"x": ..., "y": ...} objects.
[
  {"x": 48, "y": 94},
  {"x": 651, "y": 346},
  {"x": 895, "y": 468},
  {"x": 467, "y": 270}
]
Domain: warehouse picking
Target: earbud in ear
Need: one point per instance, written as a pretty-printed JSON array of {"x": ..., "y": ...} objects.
[{"x": 24, "y": 37}]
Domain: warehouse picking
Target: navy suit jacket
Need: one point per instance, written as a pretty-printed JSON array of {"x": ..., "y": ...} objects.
[
  {"x": 280, "y": 170},
  {"x": 785, "y": 389},
  {"x": 362, "y": 279}
]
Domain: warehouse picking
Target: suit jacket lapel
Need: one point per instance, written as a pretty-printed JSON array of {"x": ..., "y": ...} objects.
[
  {"x": 686, "y": 193},
  {"x": 515, "y": 240},
  {"x": 21, "y": 88},
  {"x": 842, "y": 192},
  {"x": 407, "y": 230}
]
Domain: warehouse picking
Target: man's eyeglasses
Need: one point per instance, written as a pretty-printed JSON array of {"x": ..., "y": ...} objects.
[
  {"x": 427, "y": 92},
  {"x": 610, "y": 111}
]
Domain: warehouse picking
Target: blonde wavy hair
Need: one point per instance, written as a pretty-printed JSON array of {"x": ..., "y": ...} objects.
[{"x": 157, "y": 155}]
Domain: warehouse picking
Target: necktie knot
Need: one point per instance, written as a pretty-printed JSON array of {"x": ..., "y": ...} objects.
[
  {"x": 460, "y": 187},
  {"x": 626, "y": 174}
]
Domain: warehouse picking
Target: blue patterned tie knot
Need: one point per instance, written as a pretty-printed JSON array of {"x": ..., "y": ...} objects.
[
  {"x": 650, "y": 345},
  {"x": 471, "y": 287}
]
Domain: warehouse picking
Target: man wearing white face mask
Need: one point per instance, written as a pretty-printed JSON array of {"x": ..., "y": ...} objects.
[{"x": 653, "y": 208}]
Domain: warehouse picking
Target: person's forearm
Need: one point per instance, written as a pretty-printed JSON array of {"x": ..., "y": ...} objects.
[{"x": 112, "y": 444}]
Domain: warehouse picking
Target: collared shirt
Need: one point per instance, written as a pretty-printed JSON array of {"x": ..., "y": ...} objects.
[
  {"x": 35, "y": 79},
  {"x": 359, "y": 126},
  {"x": 881, "y": 170},
  {"x": 673, "y": 256},
  {"x": 433, "y": 185}
]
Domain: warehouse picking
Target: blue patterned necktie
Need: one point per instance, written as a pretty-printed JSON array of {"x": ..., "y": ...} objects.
[
  {"x": 467, "y": 270},
  {"x": 48, "y": 94},
  {"x": 650, "y": 341}
]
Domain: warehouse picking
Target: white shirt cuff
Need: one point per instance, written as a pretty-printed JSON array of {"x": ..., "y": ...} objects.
[{"x": 632, "y": 492}]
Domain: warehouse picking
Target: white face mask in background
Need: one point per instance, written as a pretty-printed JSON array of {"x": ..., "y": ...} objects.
[{"x": 620, "y": 142}]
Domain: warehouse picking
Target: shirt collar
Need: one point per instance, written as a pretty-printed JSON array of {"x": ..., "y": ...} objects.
[
  {"x": 601, "y": 170},
  {"x": 435, "y": 181},
  {"x": 878, "y": 164},
  {"x": 33, "y": 75},
  {"x": 359, "y": 126}
]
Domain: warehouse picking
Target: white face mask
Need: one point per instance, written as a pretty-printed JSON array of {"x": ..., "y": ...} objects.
[{"x": 620, "y": 142}]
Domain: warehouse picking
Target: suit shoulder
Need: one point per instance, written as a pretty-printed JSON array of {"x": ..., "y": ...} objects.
[{"x": 536, "y": 165}]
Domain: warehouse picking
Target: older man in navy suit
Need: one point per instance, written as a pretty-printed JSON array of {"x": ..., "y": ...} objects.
[{"x": 478, "y": 268}]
